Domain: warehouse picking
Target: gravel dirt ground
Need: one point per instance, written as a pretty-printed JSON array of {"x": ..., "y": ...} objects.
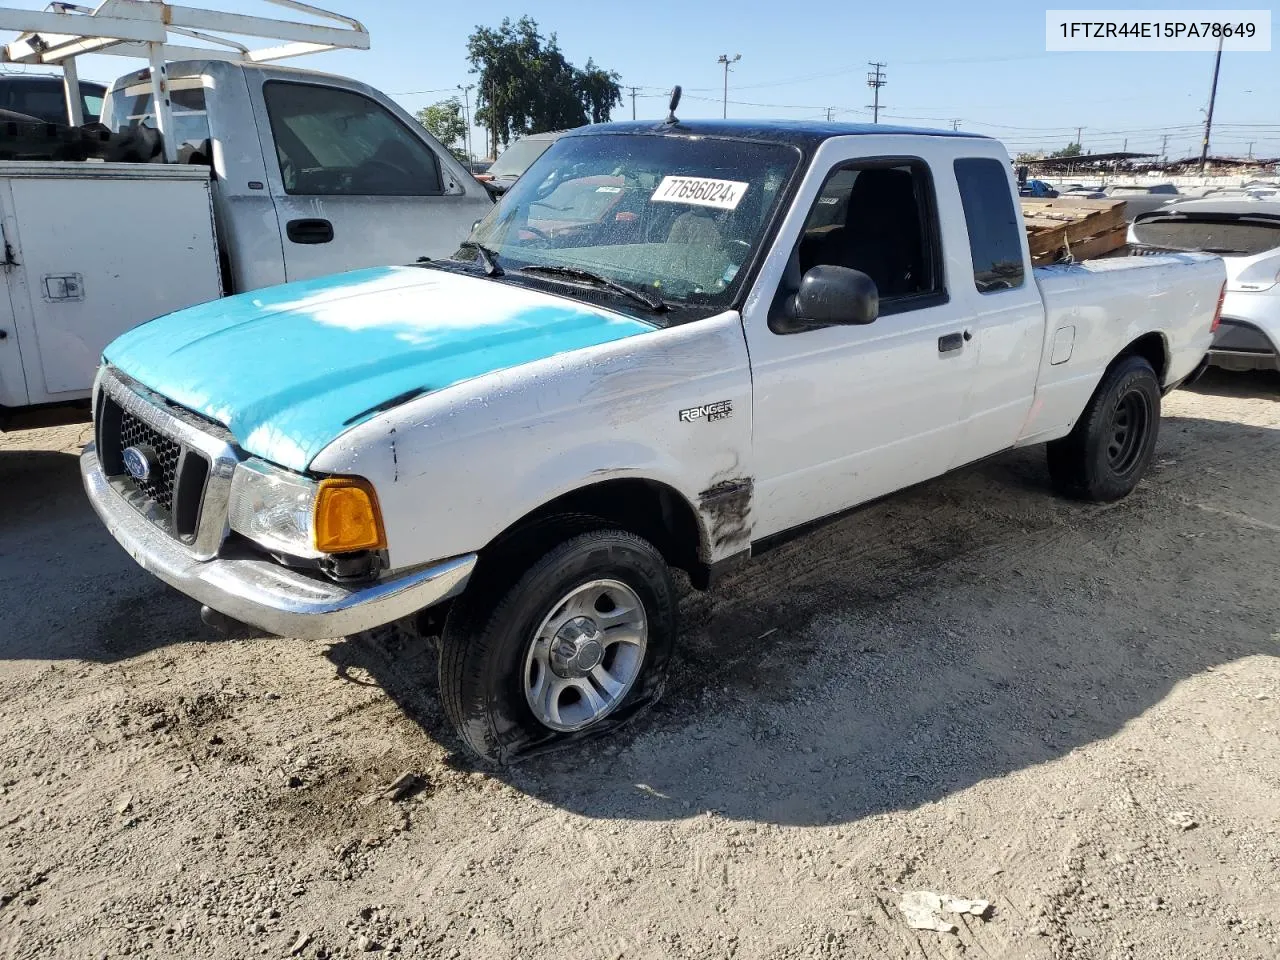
[{"x": 972, "y": 688}]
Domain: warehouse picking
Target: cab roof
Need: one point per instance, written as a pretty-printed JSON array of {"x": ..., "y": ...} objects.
[{"x": 806, "y": 134}]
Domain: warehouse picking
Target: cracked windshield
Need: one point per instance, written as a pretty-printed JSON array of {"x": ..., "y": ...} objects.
[{"x": 672, "y": 216}]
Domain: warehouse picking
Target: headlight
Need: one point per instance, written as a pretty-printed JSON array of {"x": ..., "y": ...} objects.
[{"x": 293, "y": 514}]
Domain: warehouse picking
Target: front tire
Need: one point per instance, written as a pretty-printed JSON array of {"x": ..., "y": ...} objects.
[
  {"x": 1111, "y": 446},
  {"x": 577, "y": 644}
]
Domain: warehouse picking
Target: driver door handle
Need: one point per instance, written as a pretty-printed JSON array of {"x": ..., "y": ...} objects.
[
  {"x": 951, "y": 342},
  {"x": 311, "y": 230}
]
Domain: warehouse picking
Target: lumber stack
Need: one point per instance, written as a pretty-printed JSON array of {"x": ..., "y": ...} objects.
[{"x": 1073, "y": 227}]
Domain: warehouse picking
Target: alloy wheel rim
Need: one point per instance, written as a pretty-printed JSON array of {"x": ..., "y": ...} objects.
[{"x": 586, "y": 655}]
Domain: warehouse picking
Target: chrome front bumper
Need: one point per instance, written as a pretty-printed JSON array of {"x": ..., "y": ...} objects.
[{"x": 261, "y": 592}]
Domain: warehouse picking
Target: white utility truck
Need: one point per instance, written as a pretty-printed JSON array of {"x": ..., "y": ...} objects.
[
  {"x": 246, "y": 174},
  {"x": 668, "y": 346}
]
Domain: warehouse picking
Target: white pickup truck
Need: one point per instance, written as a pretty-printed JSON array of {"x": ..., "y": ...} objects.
[
  {"x": 667, "y": 346},
  {"x": 278, "y": 174}
]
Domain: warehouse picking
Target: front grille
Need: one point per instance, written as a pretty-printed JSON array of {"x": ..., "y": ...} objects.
[
  {"x": 172, "y": 495},
  {"x": 160, "y": 485},
  {"x": 187, "y": 461}
]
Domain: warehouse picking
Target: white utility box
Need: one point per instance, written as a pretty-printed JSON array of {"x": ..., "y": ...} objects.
[{"x": 91, "y": 250}]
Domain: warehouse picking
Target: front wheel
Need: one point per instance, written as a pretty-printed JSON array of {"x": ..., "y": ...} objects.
[
  {"x": 577, "y": 645},
  {"x": 1111, "y": 446}
]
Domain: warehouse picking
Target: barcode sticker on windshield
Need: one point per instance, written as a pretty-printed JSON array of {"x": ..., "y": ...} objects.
[{"x": 700, "y": 192}]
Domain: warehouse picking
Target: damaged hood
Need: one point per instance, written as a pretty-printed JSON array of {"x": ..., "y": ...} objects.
[{"x": 288, "y": 369}]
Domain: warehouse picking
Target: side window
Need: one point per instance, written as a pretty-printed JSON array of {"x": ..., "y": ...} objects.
[
  {"x": 44, "y": 101},
  {"x": 995, "y": 241},
  {"x": 337, "y": 143},
  {"x": 133, "y": 105},
  {"x": 90, "y": 102},
  {"x": 879, "y": 217}
]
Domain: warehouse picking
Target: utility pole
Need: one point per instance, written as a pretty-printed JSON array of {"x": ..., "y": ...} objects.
[
  {"x": 633, "y": 103},
  {"x": 1251, "y": 143},
  {"x": 1208, "y": 120},
  {"x": 1078, "y": 143},
  {"x": 724, "y": 59},
  {"x": 955, "y": 124},
  {"x": 876, "y": 80},
  {"x": 1164, "y": 148},
  {"x": 829, "y": 114},
  {"x": 1125, "y": 148},
  {"x": 466, "y": 116}
]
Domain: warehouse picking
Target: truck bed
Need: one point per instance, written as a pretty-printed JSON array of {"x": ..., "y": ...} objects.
[{"x": 1094, "y": 309}]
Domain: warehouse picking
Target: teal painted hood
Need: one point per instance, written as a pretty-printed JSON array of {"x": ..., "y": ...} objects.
[{"x": 288, "y": 369}]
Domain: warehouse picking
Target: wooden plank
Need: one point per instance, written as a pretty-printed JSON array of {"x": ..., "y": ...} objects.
[
  {"x": 1055, "y": 225},
  {"x": 1068, "y": 203},
  {"x": 1087, "y": 249},
  {"x": 1103, "y": 243},
  {"x": 1046, "y": 243},
  {"x": 1086, "y": 222}
]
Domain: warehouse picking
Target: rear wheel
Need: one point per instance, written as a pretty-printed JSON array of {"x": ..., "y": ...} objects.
[
  {"x": 575, "y": 644},
  {"x": 1112, "y": 444}
]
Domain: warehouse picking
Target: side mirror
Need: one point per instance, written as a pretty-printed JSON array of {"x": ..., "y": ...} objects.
[{"x": 830, "y": 296}]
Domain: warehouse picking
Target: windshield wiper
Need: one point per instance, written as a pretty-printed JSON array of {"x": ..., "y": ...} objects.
[
  {"x": 654, "y": 303},
  {"x": 488, "y": 259}
]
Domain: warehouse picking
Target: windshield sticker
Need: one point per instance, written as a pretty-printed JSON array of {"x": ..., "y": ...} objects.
[
  {"x": 700, "y": 192},
  {"x": 608, "y": 189}
]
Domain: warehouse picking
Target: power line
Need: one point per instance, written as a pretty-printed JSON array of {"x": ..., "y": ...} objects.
[{"x": 419, "y": 93}]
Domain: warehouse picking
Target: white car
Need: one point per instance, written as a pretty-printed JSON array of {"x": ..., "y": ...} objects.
[
  {"x": 1245, "y": 232},
  {"x": 676, "y": 363}
]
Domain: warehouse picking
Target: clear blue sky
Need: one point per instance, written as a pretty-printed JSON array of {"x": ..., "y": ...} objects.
[{"x": 982, "y": 64}]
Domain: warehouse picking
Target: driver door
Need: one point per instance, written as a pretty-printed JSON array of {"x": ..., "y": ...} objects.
[
  {"x": 353, "y": 185},
  {"x": 844, "y": 414}
]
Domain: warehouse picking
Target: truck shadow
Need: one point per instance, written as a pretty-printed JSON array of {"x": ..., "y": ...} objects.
[
  {"x": 1255, "y": 384},
  {"x": 964, "y": 631},
  {"x": 67, "y": 589},
  {"x": 37, "y": 485}
]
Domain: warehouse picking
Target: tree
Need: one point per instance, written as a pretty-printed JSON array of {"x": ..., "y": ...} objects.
[
  {"x": 599, "y": 91},
  {"x": 528, "y": 86},
  {"x": 444, "y": 121},
  {"x": 1024, "y": 157},
  {"x": 1070, "y": 150}
]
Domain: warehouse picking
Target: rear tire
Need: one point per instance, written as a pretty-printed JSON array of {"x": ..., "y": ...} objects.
[
  {"x": 577, "y": 643},
  {"x": 1111, "y": 446}
]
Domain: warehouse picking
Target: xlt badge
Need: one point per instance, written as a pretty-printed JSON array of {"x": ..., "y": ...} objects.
[{"x": 708, "y": 411}]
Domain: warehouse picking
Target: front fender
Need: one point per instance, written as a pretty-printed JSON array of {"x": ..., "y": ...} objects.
[{"x": 455, "y": 468}]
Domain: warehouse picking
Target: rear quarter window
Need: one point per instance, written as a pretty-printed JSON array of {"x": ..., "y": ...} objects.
[{"x": 995, "y": 238}]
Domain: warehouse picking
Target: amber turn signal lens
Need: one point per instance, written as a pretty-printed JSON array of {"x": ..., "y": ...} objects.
[{"x": 346, "y": 517}]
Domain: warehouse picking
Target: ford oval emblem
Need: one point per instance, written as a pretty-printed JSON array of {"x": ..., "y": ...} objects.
[{"x": 138, "y": 462}]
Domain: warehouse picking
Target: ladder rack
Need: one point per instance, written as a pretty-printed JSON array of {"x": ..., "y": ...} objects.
[{"x": 146, "y": 29}]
